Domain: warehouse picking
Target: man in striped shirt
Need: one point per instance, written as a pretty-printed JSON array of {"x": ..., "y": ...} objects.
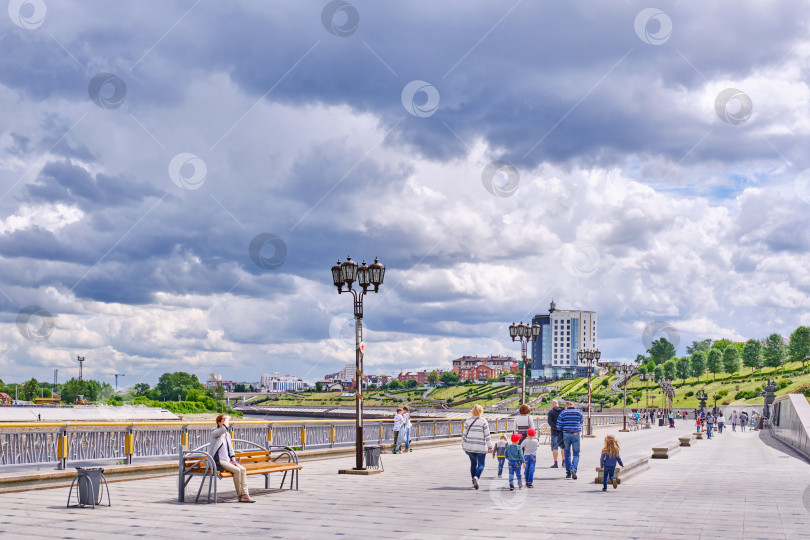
[{"x": 570, "y": 424}]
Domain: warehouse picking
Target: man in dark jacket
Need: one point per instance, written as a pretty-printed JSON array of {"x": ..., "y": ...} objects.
[{"x": 555, "y": 435}]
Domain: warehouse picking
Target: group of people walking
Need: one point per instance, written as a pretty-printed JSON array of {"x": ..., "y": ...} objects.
[{"x": 519, "y": 450}]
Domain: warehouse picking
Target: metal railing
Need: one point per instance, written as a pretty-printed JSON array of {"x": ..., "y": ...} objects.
[{"x": 59, "y": 443}]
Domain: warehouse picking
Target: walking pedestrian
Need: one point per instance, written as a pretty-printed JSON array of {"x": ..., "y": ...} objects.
[
  {"x": 709, "y": 425},
  {"x": 554, "y": 434},
  {"x": 721, "y": 421},
  {"x": 398, "y": 421},
  {"x": 523, "y": 422},
  {"x": 570, "y": 423},
  {"x": 476, "y": 441},
  {"x": 607, "y": 461},
  {"x": 743, "y": 420},
  {"x": 697, "y": 425},
  {"x": 499, "y": 452},
  {"x": 220, "y": 448},
  {"x": 529, "y": 445},
  {"x": 734, "y": 419},
  {"x": 514, "y": 454},
  {"x": 406, "y": 427}
]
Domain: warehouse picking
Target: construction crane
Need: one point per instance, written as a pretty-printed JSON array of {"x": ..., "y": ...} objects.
[{"x": 116, "y": 380}]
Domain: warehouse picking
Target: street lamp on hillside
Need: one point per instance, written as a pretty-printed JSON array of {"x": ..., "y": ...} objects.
[
  {"x": 590, "y": 357},
  {"x": 526, "y": 333},
  {"x": 626, "y": 370},
  {"x": 345, "y": 274}
]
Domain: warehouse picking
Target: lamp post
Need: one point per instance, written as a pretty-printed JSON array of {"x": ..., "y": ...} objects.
[
  {"x": 116, "y": 380},
  {"x": 526, "y": 333},
  {"x": 715, "y": 403},
  {"x": 625, "y": 370},
  {"x": 81, "y": 363},
  {"x": 345, "y": 274},
  {"x": 590, "y": 357}
]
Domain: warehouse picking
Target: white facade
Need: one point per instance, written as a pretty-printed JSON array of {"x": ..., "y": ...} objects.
[
  {"x": 275, "y": 382},
  {"x": 571, "y": 332},
  {"x": 348, "y": 372}
]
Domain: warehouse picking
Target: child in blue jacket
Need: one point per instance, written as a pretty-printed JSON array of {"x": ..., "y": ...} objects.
[
  {"x": 607, "y": 462},
  {"x": 514, "y": 455}
]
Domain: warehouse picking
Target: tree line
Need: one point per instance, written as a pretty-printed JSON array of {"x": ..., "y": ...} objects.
[{"x": 723, "y": 356}]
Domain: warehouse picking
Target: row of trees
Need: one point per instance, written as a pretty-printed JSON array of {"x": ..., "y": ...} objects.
[
  {"x": 92, "y": 390},
  {"x": 722, "y": 356}
]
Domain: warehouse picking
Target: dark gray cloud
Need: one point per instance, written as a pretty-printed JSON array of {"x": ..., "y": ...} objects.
[{"x": 65, "y": 182}]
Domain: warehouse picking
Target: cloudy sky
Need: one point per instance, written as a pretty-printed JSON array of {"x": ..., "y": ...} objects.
[{"x": 648, "y": 162}]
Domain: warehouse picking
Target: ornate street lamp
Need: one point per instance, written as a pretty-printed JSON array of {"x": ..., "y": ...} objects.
[
  {"x": 626, "y": 370},
  {"x": 526, "y": 333},
  {"x": 590, "y": 357},
  {"x": 345, "y": 274}
]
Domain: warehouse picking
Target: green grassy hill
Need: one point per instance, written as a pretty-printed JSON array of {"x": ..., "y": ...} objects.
[{"x": 736, "y": 388}]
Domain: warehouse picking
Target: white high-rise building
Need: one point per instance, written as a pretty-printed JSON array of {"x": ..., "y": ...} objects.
[
  {"x": 564, "y": 333},
  {"x": 349, "y": 371}
]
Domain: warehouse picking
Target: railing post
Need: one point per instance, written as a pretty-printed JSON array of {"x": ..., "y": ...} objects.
[
  {"x": 418, "y": 430},
  {"x": 269, "y": 435},
  {"x": 332, "y": 436},
  {"x": 381, "y": 426},
  {"x": 129, "y": 444},
  {"x": 62, "y": 447},
  {"x": 304, "y": 437},
  {"x": 434, "y": 428}
]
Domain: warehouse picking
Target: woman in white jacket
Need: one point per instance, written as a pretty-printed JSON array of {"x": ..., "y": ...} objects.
[
  {"x": 220, "y": 449},
  {"x": 476, "y": 441}
]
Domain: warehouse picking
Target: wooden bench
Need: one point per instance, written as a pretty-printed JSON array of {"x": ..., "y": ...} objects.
[
  {"x": 632, "y": 467},
  {"x": 663, "y": 451},
  {"x": 256, "y": 460}
]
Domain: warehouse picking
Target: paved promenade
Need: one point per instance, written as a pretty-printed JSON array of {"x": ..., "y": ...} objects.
[{"x": 738, "y": 485}]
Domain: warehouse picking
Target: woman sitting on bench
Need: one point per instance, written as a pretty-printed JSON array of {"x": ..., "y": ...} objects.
[{"x": 220, "y": 449}]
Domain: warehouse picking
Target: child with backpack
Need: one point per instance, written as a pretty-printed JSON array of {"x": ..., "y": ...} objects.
[
  {"x": 514, "y": 454},
  {"x": 499, "y": 452},
  {"x": 529, "y": 445},
  {"x": 607, "y": 462}
]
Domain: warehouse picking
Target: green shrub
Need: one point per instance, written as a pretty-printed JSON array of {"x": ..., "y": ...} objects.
[{"x": 690, "y": 393}]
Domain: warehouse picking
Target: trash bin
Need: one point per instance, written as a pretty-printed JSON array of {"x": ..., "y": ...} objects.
[
  {"x": 660, "y": 421},
  {"x": 89, "y": 485},
  {"x": 372, "y": 456}
]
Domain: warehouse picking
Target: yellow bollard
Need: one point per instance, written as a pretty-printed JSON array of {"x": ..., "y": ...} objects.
[
  {"x": 62, "y": 447},
  {"x": 129, "y": 444}
]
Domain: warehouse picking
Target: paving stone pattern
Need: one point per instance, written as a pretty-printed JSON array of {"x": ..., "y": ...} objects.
[{"x": 738, "y": 485}]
